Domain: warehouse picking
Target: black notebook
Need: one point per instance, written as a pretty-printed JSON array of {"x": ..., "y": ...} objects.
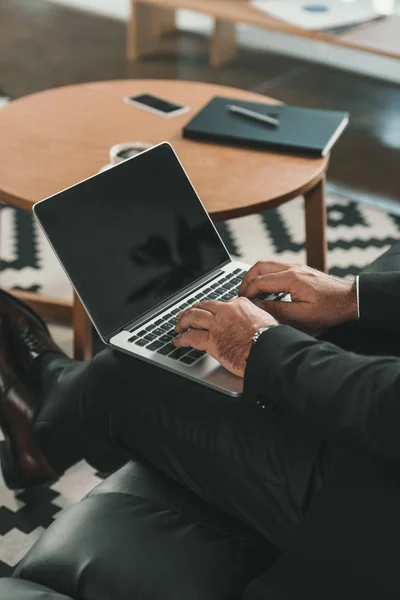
[{"x": 301, "y": 130}]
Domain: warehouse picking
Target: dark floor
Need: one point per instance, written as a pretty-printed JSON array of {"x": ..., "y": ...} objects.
[{"x": 44, "y": 45}]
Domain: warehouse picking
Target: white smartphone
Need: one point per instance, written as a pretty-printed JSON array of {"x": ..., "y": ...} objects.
[{"x": 157, "y": 106}]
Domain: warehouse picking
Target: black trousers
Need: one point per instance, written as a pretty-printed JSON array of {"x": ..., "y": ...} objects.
[{"x": 260, "y": 467}]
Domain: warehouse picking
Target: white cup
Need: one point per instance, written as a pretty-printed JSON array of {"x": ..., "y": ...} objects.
[{"x": 121, "y": 152}]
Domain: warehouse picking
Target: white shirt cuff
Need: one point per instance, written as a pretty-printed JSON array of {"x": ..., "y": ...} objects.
[{"x": 358, "y": 294}]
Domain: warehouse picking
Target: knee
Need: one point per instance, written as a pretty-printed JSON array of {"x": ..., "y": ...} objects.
[{"x": 102, "y": 371}]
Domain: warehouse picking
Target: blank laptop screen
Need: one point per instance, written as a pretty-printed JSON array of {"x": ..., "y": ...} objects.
[{"x": 131, "y": 237}]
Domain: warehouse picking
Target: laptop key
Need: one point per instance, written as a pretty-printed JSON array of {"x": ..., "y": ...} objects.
[
  {"x": 155, "y": 345},
  {"x": 150, "y": 327},
  {"x": 150, "y": 337},
  {"x": 166, "y": 338},
  {"x": 133, "y": 339},
  {"x": 167, "y": 349},
  {"x": 175, "y": 311},
  {"x": 165, "y": 326},
  {"x": 213, "y": 296},
  {"x": 197, "y": 354},
  {"x": 159, "y": 322},
  {"x": 187, "y": 360},
  {"x": 141, "y": 342},
  {"x": 159, "y": 332},
  {"x": 142, "y": 333},
  {"x": 179, "y": 352}
]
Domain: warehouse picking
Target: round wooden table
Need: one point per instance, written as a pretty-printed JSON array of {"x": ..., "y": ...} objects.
[{"x": 53, "y": 139}]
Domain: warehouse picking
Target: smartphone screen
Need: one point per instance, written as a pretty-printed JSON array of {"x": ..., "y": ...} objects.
[{"x": 159, "y": 104}]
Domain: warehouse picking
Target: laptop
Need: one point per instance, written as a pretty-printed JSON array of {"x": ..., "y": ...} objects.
[{"x": 139, "y": 247}]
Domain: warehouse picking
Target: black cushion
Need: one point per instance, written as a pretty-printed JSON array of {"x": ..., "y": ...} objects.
[
  {"x": 141, "y": 536},
  {"x": 17, "y": 589}
]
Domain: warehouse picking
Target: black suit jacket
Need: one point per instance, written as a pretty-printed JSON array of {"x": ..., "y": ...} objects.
[{"x": 345, "y": 396}]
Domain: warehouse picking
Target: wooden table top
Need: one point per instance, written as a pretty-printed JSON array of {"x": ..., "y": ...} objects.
[{"x": 53, "y": 139}]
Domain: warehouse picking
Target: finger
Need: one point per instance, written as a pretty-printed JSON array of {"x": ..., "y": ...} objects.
[
  {"x": 269, "y": 284},
  {"x": 212, "y": 306},
  {"x": 195, "y": 338},
  {"x": 194, "y": 317},
  {"x": 283, "y": 312},
  {"x": 262, "y": 267}
]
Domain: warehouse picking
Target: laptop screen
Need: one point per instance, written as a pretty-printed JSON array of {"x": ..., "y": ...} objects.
[{"x": 131, "y": 237}]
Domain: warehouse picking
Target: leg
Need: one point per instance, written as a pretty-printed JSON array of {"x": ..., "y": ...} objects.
[
  {"x": 164, "y": 21},
  {"x": 346, "y": 547},
  {"x": 260, "y": 468},
  {"x": 223, "y": 43},
  {"x": 315, "y": 213},
  {"x": 145, "y": 25}
]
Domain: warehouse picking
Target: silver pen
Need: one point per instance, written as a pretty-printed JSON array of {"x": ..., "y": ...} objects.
[{"x": 251, "y": 114}]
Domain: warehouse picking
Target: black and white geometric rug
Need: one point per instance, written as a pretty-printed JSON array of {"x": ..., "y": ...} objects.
[{"x": 357, "y": 234}]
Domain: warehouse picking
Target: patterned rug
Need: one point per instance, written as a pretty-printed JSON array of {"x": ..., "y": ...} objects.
[{"x": 357, "y": 234}]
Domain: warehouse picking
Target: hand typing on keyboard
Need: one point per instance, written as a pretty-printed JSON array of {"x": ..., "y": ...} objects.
[
  {"x": 157, "y": 336},
  {"x": 318, "y": 300},
  {"x": 222, "y": 329}
]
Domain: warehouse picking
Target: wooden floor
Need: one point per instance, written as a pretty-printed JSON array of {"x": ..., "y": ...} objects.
[{"x": 44, "y": 45}]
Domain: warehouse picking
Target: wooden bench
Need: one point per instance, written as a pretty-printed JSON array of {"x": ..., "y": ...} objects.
[{"x": 151, "y": 18}]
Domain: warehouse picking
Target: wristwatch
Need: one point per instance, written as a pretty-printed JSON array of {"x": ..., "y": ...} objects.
[{"x": 258, "y": 333}]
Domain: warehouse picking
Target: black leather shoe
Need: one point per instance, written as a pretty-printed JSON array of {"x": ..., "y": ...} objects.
[
  {"x": 29, "y": 335},
  {"x": 24, "y": 337}
]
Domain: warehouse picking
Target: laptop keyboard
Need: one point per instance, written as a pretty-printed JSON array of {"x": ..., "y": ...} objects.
[{"x": 158, "y": 335}]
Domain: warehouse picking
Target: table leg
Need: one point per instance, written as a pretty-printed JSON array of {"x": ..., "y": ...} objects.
[
  {"x": 315, "y": 216},
  {"x": 82, "y": 331},
  {"x": 145, "y": 25},
  {"x": 223, "y": 43},
  {"x": 164, "y": 21}
]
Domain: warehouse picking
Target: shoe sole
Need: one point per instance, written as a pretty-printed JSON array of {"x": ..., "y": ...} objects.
[
  {"x": 9, "y": 470},
  {"x": 8, "y": 466}
]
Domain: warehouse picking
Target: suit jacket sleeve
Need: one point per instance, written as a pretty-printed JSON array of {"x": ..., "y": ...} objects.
[
  {"x": 379, "y": 300},
  {"x": 351, "y": 398}
]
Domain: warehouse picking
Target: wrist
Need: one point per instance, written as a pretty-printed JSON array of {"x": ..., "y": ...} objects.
[
  {"x": 261, "y": 331},
  {"x": 350, "y": 303}
]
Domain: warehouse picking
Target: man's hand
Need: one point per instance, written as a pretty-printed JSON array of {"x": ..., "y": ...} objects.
[
  {"x": 318, "y": 300},
  {"x": 223, "y": 329}
]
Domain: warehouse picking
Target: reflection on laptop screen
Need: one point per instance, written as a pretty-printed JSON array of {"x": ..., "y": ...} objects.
[{"x": 131, "y": 237}]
